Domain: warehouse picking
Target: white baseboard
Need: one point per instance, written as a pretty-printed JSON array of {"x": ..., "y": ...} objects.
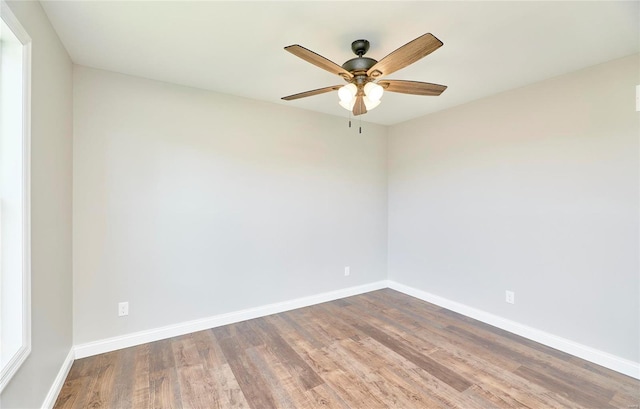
[
  {"x": 156, "y": 334},
  {"x": 596, "y": 356},
  {"x": 56, "y": 387}
]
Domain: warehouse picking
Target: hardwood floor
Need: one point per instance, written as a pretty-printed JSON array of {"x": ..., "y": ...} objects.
[{"x": 377, "y": 350}]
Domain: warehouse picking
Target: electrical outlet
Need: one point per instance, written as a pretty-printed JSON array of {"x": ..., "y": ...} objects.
[
  {"x": 510, "y": 297},
  {"x": 123, "y": 309},
  {"x": 347, "y": 271}
]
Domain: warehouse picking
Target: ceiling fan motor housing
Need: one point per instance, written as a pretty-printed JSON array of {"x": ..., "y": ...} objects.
[{"x": 359, "y": 64}]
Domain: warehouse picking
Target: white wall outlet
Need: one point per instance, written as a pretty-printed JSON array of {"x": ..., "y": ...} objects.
[
  {"x": 123, "y": 309},
  {"x": 510, "y": 297},
  {"x": 347, "y": 271}
]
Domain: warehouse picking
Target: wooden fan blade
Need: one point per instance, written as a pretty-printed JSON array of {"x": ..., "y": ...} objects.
[
  {"x": 405, "y": 55},
  {"x": 412, "y": 87},
  {"x": 318, "y": 60},
  {"x": 312, "y": 93},
  {"x": 359, "y": 108}
]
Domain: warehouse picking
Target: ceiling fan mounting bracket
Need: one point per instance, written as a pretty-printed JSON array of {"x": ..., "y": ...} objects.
[{"x": 360, "y": 47}]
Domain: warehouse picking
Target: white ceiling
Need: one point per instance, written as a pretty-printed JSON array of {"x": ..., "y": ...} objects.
[{"x": 236, "y": 47}]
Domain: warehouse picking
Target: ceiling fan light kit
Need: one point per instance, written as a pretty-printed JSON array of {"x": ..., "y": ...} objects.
[
  {"x": 349, "y": 93},
  {"x": 364, "y": 89}
]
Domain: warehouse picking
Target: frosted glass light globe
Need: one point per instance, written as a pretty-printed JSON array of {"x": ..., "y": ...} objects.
[
  {"x": 373, "y": 91},
  {"x": 347, "y": 93},
  {"x": 348, "y": 105},
  {"x": 369, "y": 104}
]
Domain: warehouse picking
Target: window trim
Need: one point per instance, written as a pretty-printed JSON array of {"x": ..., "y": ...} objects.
[{"x": 11, "y": 367}]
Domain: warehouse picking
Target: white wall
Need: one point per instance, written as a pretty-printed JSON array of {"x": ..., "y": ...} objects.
[
  {"x": 51, "y": 279},
  {"x": 189, "y": 203},
  {"x": 534, "y": 190}
]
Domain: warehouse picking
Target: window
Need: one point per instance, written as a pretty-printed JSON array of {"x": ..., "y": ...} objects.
[{"x": 15, "y": 255}]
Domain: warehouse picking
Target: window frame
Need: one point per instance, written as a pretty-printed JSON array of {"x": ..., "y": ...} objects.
[{"x": 17, "y": 359}]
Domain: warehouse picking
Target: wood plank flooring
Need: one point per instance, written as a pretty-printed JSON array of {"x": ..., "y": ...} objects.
[{"x": 377, "y": 350}]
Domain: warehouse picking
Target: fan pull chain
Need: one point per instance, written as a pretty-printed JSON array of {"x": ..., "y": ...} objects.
[
  {"x": 349, "y": 119},
  {"x": 360, "y": 127}
]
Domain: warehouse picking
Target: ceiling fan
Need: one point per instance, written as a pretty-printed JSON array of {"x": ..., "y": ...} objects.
[{"x": 363, "y": 74}]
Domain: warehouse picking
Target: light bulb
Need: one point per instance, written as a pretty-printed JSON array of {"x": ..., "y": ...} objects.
[
  {"x": 369, "y": 104},
  {"x": 373, "y": 91},
  {"x": 347, "y": 93}
]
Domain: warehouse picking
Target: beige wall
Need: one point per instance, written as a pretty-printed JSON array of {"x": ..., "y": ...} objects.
[
  {"x": 534, "y": 190},
  {"x": 189, "y": 204},
  {"x": 51, "y": 279}
]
